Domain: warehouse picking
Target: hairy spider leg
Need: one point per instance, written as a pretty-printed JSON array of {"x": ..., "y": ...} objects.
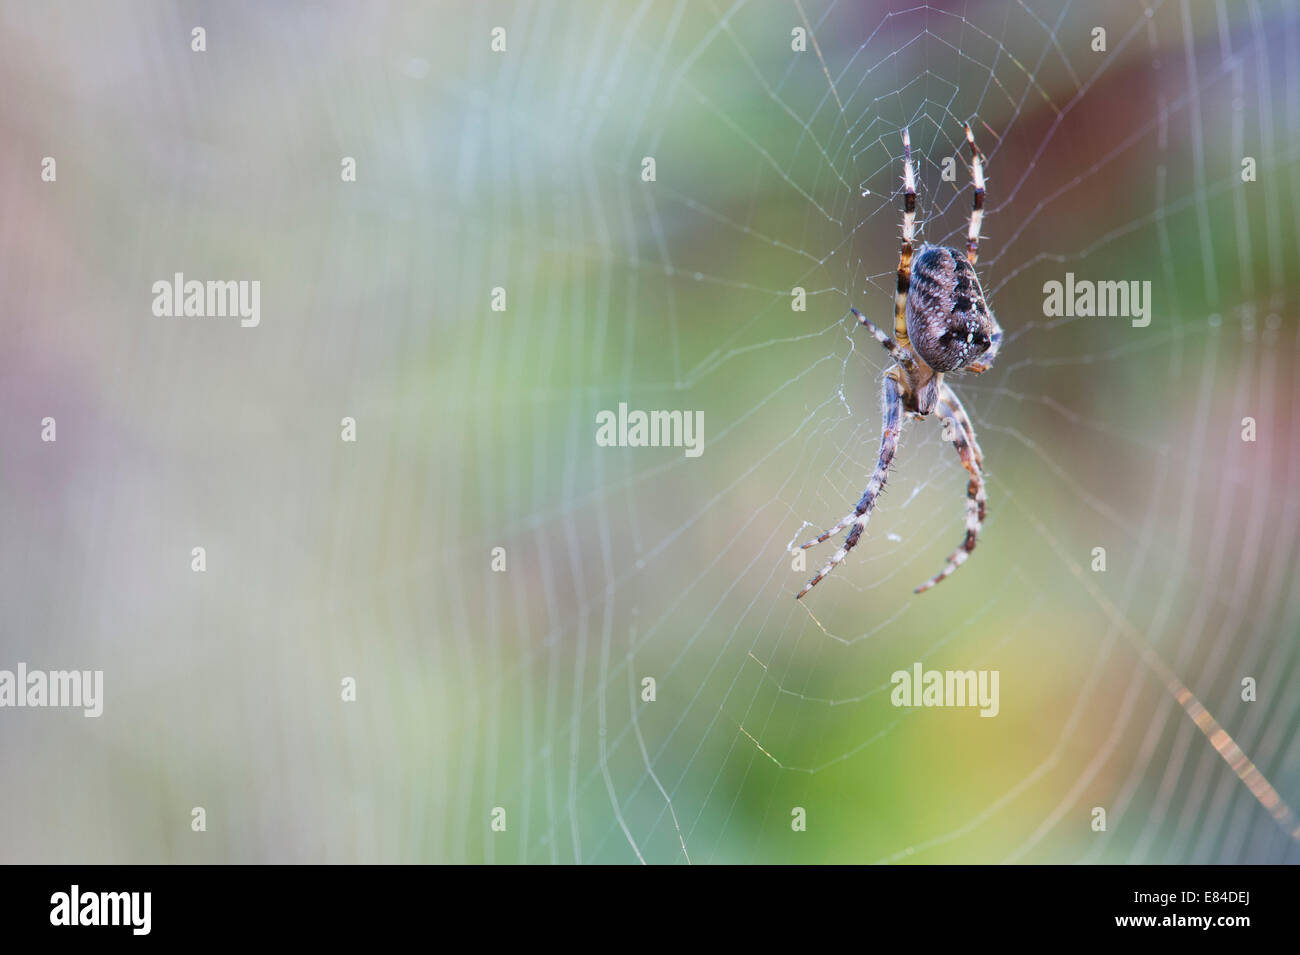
[
  {"x": 972, "y": 249},
  {"x": 949, "y": 397},
  {"x": 963, "y": 440},
  {"x": 977, "y": 210},
  {"x": 900, "y": 356},
  {"x": 891, "y": 404},
  {"x": 905, "y": 251}
]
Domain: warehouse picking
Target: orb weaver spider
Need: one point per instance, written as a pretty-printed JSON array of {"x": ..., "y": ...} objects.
[{"x": 942, "y": 324}]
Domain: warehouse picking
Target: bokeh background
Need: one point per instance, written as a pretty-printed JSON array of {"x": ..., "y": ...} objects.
[{"x": 521, "y": 689}]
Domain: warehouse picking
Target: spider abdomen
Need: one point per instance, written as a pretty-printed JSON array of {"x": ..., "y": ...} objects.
[{"x": 948, "y": 320}]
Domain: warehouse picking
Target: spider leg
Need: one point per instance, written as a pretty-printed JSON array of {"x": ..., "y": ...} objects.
[
  {"x": 963, "y": 438},
  {"x": 891, "y": 346},
  {"x": 949, "y": 397},
  {"x": 973, "y": 245},
  {"x": 905, "y": 251},
  {"x": 892, "y": 412},
  {"x": 977, "y": 211}
]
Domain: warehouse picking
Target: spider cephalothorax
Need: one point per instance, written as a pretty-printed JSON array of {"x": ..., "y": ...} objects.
[{"x": 942, "y": 324}]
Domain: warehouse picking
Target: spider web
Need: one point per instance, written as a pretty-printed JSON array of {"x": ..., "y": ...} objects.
[
  {"x": 778, "y": 169},
  {"x": 523, "y": 689}
]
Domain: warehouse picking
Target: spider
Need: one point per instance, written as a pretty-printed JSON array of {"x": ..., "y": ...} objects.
[{"x": 942, "y": 324}]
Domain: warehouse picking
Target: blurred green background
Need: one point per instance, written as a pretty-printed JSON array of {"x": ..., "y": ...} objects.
[{"x": 522, "y": 169}]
